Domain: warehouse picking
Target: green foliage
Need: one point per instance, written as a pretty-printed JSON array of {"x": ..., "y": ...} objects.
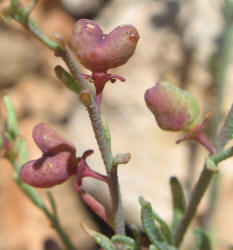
[
  {"x": 178, "y": 201},
  {"x": 202, "y": 240},
  {"x": 152, "y": 230},
  {"x": 101, "y": 239},
  {"x": 226, "y": 132},
  {"x": 12, "y": 126},
  {"x": 67, "y": 79},
  {"x": 164, "y": 227},
  {"x": 129, "y": 243}
]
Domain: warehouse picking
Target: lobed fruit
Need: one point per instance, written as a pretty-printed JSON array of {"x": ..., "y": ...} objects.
[
  {"x": 99, "y": 52},
  {"x": 49, "y": 141},
  {"x": 48, "y": 171}
]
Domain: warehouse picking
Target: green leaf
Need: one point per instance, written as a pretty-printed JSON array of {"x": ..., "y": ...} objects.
[
  {"x": 101, "y": 239},
  {"x": 126, "y": 241},
  {"x": 226, "y": 132},
  {"x": 202, "y": 239},
  {"x": 164, "y": 227},
  {"x": 12, "y": 127},
  {"x": 67, "y": 79},
  {"x": 153, "y": 232},
  {"x": 178, "y": 201},
  {"x": 152, "y": 247},
  {"x": 136, "y": 233}
]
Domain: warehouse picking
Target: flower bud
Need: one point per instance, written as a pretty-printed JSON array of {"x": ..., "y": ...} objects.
[
  {"x": 48, "y": 171},
  {"x": 49, "y": 141},
  {"x": 174, "y": 109},
  {"x": 99, "y": 52}
]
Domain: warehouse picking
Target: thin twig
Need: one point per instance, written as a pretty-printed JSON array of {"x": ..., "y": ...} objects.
[{"x": 195, "y": 199}]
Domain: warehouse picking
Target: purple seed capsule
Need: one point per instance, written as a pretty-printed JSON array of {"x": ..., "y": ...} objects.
[
  {"x": 49, "y": 171},
  {"x": 49, "y": 141},
  {"x": 99, "y": 52}
]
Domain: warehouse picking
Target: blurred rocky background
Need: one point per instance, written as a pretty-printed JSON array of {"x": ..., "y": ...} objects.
[{"x": 178, "y": 40}]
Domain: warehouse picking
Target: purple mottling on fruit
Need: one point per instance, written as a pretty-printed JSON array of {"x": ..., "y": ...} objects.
[
  {"x": 174, "y": 109},
  {"x": 49, "y": 141},
  {"x": 99, "y": 52}
]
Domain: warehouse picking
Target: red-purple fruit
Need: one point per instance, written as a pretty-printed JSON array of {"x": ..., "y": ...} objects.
[
  {"x": 99, "y": 52},
  {"x": 57, "y": 163},
  {"x": 174, "y": 109},
  {"x": 48, "y": 171},
  {"x": 49, "y": 141}
]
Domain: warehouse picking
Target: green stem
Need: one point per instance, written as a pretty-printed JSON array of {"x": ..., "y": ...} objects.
[
  {"x": 199, "y": 190},
  {"x": 35, "y": 198},
  {"x": 220, "y": 76},
  {"x": 94, "y": 115},
  {"x": 104, "y": 147},
  {"x": 58, "y": 228},
  {"x": 195, "y": 198}
]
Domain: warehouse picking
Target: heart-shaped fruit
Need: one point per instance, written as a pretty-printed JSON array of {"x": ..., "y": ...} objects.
[
  {"x": 49, "y": 141},
  {"x": 99, "y": 52},
  {"x": 49, "y": 171}
]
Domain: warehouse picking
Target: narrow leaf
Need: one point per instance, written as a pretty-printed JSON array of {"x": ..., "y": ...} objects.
[
  {"x": 152, "y": 247},
  {"x": 202, "y": 239},
  {"x": 67, "y": 79},
  {"x": 164, "y": 227},
  {"x": 101, "y": 239},
  {"x": 126, "y": 241},
  {"x": 178, "y": 201},
  {"x": 153, "y": 232},
  {"x": 226, "y": 132},
  {"x": 12, "y": 127}
]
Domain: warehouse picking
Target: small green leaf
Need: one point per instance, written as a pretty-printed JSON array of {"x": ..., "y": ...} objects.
[
  {"x": 136, "y": 233},
  {"x": 101, "y": 239},
  {"x": 126, "y": 241},
  {"x": 153, "y": 232},
  {"x": 178, "y": 201},
  {"x": 202, "y": 239},
  {"x": 164, "y": 227},
  {"x": 152, "y": 247},
  {"x": 226, "y": 132},
  {"x": 12, "y": 127},
  {"x": 67, "y": 79}
]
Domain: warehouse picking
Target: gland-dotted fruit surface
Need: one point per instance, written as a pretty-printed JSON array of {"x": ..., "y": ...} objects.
[
  {"x": 174, "y": 109},
  {"x": 99, "y": 52},
  {"x": 49, "y": 141},
  {"x": 48, "y": 171},
  {"x": 58, "y": 161}
]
